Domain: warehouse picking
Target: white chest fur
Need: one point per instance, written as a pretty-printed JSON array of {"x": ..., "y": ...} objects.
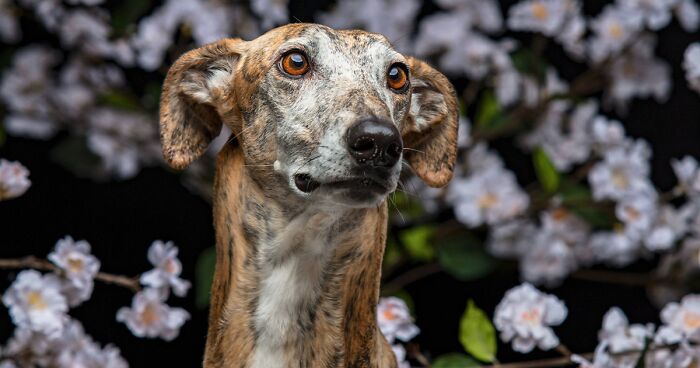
[{"x": 292, "y": 268}]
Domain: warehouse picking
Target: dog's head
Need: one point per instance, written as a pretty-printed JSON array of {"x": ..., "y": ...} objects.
[{"x": 321, "y": 115}]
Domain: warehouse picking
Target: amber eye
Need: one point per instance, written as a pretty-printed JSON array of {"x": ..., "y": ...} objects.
[
  {"x": 294, "y": 63},
  {"x": 397, "y": 77}
]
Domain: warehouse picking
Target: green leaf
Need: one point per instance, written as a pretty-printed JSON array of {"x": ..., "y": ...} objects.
[
  {"x": 465, "y": 259},
  {"x": 3, "y": 136},
  {"x": 527, "y": 62},
  {"x": 547, "y": 174},
  {"x": 204, "y": 275},
  {"x": 127, "y": 14},
  {"x": 417, "y": 242},
  {"x": 392, "y": 254},
  {"x": 120, "y": 100},
  {"x": 74, "y": 155},
  {"x": 574, "y": 194},
  {"x": 454, "y": 360},
  {"x": 598, "y": 217},
  {"x": 476, "y": 333},
  {"x": 488, "y": 110}
]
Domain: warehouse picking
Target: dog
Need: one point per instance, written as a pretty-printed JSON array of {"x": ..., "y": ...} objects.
[{"x": 323, "y": 121}]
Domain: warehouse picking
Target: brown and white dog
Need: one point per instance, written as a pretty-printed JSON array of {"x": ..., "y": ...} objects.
[{"x": 322, "y": 121}]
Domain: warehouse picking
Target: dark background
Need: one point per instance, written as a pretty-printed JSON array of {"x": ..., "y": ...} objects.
[{"x": 121, "y": 219}]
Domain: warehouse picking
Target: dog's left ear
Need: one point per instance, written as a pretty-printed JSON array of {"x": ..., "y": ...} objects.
[
  {"x": 430, "y": 133},
  {"x": 195, "y": 86}
]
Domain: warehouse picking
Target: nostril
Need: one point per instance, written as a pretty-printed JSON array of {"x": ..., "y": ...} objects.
[
  {"x": 393, "y": 150},
  {"x": 364, "y": 145}
]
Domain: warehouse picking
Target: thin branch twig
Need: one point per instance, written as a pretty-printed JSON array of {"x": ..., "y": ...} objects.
[
  {"x": 131, "y": 283},
  {"x": 542, "y": 363},
  {"x": 413, "y": 275}
]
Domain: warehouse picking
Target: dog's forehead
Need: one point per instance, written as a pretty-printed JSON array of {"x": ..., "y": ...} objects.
[{"x": 328, "y": 44}]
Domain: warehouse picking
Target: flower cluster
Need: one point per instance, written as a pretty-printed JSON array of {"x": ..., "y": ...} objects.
[
  {"x": 149, "y": 316},
  {"x": 395, "y": 323},
  {"x": 14, "y": 179},
  {"x": 525, "y": 315},
  {"x": 38, "y": 304}
]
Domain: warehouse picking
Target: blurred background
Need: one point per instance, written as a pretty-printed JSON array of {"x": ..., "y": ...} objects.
[{"x": 78, "y": 103}]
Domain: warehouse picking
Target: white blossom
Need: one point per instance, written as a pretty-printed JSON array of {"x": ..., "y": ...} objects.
[
  {"x": 681, "y": 321},
  {"x": 71, "y": 348},
  {"x": 559, "y": 19},
  {"x": 391, "y": 18},
  {"x": 394, "y": 320},
  {"x": 25, "y": 90},
  {"x": 688, "y": 14},
  {"x": 671, "y": 224},
  {"x": 622, "y": 336},
  {"x": 638, "y": 213},
  {"x": 272, "y": 12},
  {"x": 691, "y": 65},
  {"x": 563, "y": 134},
  {"x": 607, "y": 134},
  {"x": 123, "y": 140},
  {"x": 166, "y": 274},
  {"x": 623, "y": 172},
  {"x": 14, "y": 179},
  {"x": 510, "y": 239},
  {"x": 638, "y": 74},
  {"x": 76, "y": 349},
  {"x": 78, "y": 267},
  {"x": 618, "y": 336},
  {"x": 209, "y": 21},
  {"x": 484, "y": 15},
  {"x": 400, "y": 353},
  {"x": 525, "y": 315},
  {"x": 10, "y": 31},
  {"x": 614, "y": 247},
  {"x": 150, "y": 317},
  {"x": 36, "y": 303},
  {"x": 613, "y": 30},
  {"x": 487, "y": 196},
  {"x": 656, "y": 14},
  {"x": 552, "y": 253}
]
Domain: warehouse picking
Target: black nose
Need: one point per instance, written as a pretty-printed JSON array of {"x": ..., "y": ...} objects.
[{"x": 374, "y": 142}]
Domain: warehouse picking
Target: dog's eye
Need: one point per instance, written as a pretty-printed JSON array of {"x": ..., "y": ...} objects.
[
  {"x": 397, "y": 77},
  {"x": 294, "y": 63}
]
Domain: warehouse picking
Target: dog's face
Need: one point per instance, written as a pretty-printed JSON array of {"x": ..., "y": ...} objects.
[{"x": 323, "y": 116}]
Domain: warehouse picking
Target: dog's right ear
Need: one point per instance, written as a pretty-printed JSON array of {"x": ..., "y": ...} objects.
[{"x": 196, "y": 83}]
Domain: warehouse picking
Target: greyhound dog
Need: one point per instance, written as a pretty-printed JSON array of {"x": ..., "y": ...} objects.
[{"x": 323, "y": 121}]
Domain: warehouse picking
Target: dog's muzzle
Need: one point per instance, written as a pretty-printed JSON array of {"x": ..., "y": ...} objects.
[{"x": 375, "y": 146}]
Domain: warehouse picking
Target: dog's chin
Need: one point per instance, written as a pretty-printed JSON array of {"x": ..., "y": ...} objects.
[{"x": 351, "y": 192}]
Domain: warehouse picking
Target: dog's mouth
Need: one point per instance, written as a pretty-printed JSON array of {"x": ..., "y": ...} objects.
[{"x": 306, "y": 184}]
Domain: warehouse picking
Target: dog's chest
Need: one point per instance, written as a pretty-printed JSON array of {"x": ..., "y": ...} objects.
[{"x": 291, "y": 279}]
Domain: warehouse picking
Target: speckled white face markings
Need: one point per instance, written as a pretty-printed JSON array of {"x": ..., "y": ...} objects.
[{"x": 346, "y": 82}]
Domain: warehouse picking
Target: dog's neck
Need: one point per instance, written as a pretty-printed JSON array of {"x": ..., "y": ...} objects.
[{"x": 292, "y": 288}]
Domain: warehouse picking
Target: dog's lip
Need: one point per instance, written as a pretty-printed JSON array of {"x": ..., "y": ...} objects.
[
  {"x": 357, "y": 183},
  {"x": 307, "y": 184}
]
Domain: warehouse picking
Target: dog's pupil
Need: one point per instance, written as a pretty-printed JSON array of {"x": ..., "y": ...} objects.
[
  {"x": 297, "y": 60},
  {"x": 394, "y": 73}
]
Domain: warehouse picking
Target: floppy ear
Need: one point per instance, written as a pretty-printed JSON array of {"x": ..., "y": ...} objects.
[
  {"x": 196, "y": 83},
  {"x": 431, "y": 129}
]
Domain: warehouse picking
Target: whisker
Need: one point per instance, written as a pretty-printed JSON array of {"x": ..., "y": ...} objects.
[
  {"x": 391, "y": 200},
  {"x": 412, "y": 149},
  {"x": 306, "y": 163}
]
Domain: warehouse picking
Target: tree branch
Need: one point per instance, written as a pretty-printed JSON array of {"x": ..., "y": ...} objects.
[{"x": 131, "y": 283}]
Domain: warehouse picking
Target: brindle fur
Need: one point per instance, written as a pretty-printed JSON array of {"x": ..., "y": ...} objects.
[{"x": 328, "y": 246}]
